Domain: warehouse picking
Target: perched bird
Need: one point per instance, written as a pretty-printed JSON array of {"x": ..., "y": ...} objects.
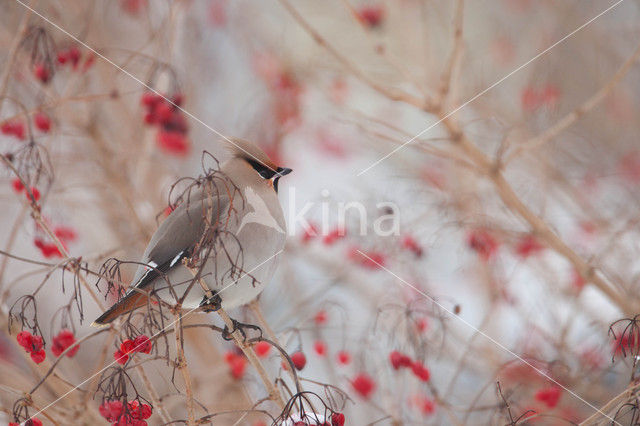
[{"x": 231, "y": 223}]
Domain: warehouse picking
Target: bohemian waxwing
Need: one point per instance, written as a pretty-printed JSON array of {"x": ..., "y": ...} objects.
[{"x": 234, "y": 221}]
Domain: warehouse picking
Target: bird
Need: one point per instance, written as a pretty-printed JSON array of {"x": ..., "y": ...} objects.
[{"x": 234, "y": 226}]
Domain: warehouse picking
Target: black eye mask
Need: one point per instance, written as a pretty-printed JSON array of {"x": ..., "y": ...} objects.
[{"x": 267, "y": 173}]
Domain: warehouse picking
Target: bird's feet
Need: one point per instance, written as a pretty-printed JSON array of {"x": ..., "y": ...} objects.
[
  {"x": 241, "y": 327},
  {"x": 211, "y": 304}
]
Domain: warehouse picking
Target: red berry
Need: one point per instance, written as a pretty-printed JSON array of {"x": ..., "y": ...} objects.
[
  {"x": 34, "y": 421},
  {"x": 238, "y": 365},
  {"x": 41, "y": 72},
  {"x": 320, "y": 347},
  {"x": 412, "y": 245},
  {"x": 74, "y": 56},
  {"x": 120, "y": 357},
  {"x": 399, "y": 360},
  {"x": 371, "y": 16},
  {"x": 320, "y": 318},
  {"x": 163, "y": 112},
  {"x": 37, "y": 343},
  {"x": 344, "y": 357},
  {"x": 364, "y": 385},
  {"x": 550, "y": 396},
  {"x": 63, "y": 57},
  {"x": 309, "y": 232},
  {"x": 17, "y": 185},
  {"x": 528, "y": 246},
  {"x": 420, "y": 371},
  {"x": 262, "y": 348},
  {"x": 111, "y": 410},
  {"x": 127, "y": 346},
  {"x": 150, "y": 99},
  {"x": 35, "y": 192},
  {"x": 173, "y": 142},
  {"x": 483, "y": 243},
  {"x": 334, "y": 236},
  {"x": 25, "y": 339},
  {"x": 139, "y": 411},
  {"x": 299, "y": 360},
  {"x": 62, "y": 341},
  {"x": 38, "y": 356},
  {"x": 142, "y": 344},
  {"x": 42, "y": 121},
  {"x": 337, "y": 419},
  {"x": 65, "y": 233}
]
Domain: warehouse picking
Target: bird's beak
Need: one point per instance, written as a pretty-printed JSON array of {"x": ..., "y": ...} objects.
[{"x": 282, "y": 171}]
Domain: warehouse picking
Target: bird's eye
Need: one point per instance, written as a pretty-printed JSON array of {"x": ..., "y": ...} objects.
[{"x": 263, "y": 171}]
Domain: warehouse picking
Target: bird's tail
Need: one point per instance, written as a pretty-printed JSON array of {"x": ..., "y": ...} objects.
[{"x": 132, "y": 301}]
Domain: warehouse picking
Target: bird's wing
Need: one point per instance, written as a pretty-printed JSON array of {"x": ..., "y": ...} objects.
[
  {"x": 178, "y": 235},
  {"x": 174, "y": 240}
]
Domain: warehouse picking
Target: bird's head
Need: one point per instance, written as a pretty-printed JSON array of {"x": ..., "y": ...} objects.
[{"x": 259, "y": 161}]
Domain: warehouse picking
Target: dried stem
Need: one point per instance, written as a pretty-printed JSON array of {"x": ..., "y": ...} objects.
[
  {"x": 181, "y": 364},
  {"x": 569, "y": 119},
  {"x": 253, "y": 359}
]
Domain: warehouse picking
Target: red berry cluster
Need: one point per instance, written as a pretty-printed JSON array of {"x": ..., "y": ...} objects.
[
  {"x": 237, "y": 363},
  {"x": 14, "y": 128},
  {"x": 33, "y": 345},
  {"x": 70, "y": 55},
  {"x": 62, "y": 341},
  {"x": 134, "y": 414},
  {"x": 532, "y": 99},
  {"x": 140, "y": 344},
  {"x": 399, "y": 360},
  {"x": 18, "y": 187},
  {"x": 47, "y": 249},
  {"x": 483, "y": 243},
  {"x": 65, "y": 234},
  {"x": 172, "y": 125},
  {"x": 334, "y": 236},
  {"x": 372, "y": 260}
]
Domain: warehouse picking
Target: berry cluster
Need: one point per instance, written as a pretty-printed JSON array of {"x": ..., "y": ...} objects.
[
  {"x": 18, "y": 187},
  {"x": 133, "y": 414},
  {"x": 171, "y": 123},
  {"x": 34, "y": 345},
  {"x": 62, "y": 341},
  {"x": 140, "y": 344},
  {"x": 15, "y": 128},
  {"x": 237, "y": 363},
  {"x": 399, "y": 360}
]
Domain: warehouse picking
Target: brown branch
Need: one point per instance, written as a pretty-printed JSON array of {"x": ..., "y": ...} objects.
[
  {"x": 538, "y": 226},
  {"x": 181, "y": 364},
  {"x": 390, "y": 93},
  {"x": 450, "y": 73},
  {"x": 569, "y": 119},
  {"x": 253, "y": 359}
]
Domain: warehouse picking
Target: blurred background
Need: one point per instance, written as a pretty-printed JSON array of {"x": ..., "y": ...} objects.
[{"x": 500, "y": 136}]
